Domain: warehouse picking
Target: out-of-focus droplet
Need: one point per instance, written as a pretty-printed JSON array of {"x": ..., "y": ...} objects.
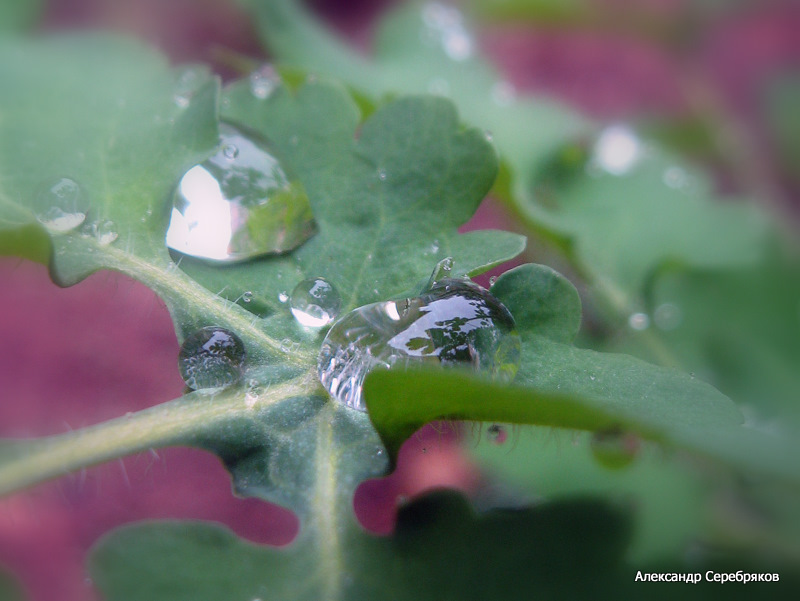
[
  {"x": 211, "y": 357},
  {"x": 239, "y": 204},
  {"x": 639, "y": 321},
  {"x": 614, "y": 448},
  {"x": 617, "y": 150},
  {"x": 444, "y": 25},
  {"x": 60, "y": 205},
  {"x": 315, "y": 303},
  {"x": 264, "y": 81}
]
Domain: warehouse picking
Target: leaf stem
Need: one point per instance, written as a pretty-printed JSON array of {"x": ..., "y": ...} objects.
[{"x": 175, "y": 423}]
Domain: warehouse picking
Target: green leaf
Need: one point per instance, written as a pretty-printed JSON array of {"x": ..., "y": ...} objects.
[
  {"x": 619, "y": 230},
  {"x": 564, "y": 386},
  {"x": 9, "y": 588},
  {"x": 436, "y": 535},
  {"x": 18, "y": 15}
]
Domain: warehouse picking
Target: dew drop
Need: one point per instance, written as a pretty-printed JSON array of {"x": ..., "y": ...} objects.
[
  {"x": 442, "y": 270},
  {"x": 496, "y": 434},
  {"x": 639, "y": 321},
  {"x": 264, "y": 81},
  {"x": 382, "y": 174},
  {"x": 487, "y": 135},
  {"x": 614, "y": 448},
  {"x": 444, "y": 25},
  {"x": 247, "y": 296},
  {"x": 104, "y": 231},
  {"x": 454, "y": 322},
  {"x": 492, "y": 280},
  {"x": 239, "y": 204},
  {"x": 617, "y": 150},
  {"x": 283, "y": 297},
  {"x": 187, "y": 83},
  {"x": 315, "y": 302},
  {"x": 61, "y": 205},
  {"x": 212, "y": 357}
]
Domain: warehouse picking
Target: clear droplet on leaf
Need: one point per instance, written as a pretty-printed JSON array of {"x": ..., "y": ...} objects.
[
  {"x": 441, "y": 271},
  {"x": 315, "y": 302},
  {"x": 61, "y": 204},
  {"x": 496, "y": 434},
  {"x": 264, "y": 81},
  {"x": 639, "y": 321},
  {"x": 454, "y": 322},
  {"x": 239, "y": 204},
  {"x": 614, "y": 448},
  {"x": 212, "y": 357}
]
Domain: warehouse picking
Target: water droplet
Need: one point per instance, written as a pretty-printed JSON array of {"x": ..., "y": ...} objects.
[
  {"x": 504, "y": 93},
  {"x": 212, "y": 357},
  {"x": 230, "y": 151},
  {"x": 247, "y": 296},
  {"x": 617, "y": 150},
  {"x": 264, "y": 81},
  {"x": 187, "y": 83},
  {"x": 104, "y": 232},
  {"x": 487, "y": 135},
  {"x": 676, "y": 178},
  {"x": 444, "y": 25},
  {"x": 492, "y": 280},
  {"x": 639, "y": 321},
  {"x": 382, "y": 174},
  {"x": 283, "y": 297},
  {"x": 614, "y": 448},
  {"x": 592, "y": 377},
  {"x": 239, "y": 205},
  {"x": 441, "y": 271},
  {"x": 315, "y": 302},
  {"x": 61, "y": 205},
  {"x": 496, "y": 434},
  {"x": 454, "y": 322},
  {"x": 435, "y": 247},
  {"x": 667, "y": 316}
]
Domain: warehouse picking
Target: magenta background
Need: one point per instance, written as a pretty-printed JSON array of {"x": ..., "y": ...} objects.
[{"x": 78, "y": 356}]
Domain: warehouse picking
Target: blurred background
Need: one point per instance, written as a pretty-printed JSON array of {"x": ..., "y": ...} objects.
[{"x": 715, "y": 81}]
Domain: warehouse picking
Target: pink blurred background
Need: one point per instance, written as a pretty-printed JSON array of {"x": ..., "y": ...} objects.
[{"x": 78, "y": 356}]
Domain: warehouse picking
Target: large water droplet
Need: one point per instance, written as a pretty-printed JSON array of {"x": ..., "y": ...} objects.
[
  {"x": 614, "y": 448},
  {"x": 455, "y": 322},
  {"x": 239, "y": 204},
  {"x": 315, "y": 302},
  {"x": 212, "y": 357},
  {"x": 60, "y": 205}
]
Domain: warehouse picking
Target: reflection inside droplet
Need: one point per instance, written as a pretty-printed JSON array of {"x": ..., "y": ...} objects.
[
  {"x": 315, "y": 302},
  {"x": 238, "y": 204},
  {"x": 60, "y": 204}
]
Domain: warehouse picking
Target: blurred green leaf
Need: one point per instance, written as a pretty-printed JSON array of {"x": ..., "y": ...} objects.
[
  {"x": 18, "y": 15},
  {"x": 10, "y": 590}
]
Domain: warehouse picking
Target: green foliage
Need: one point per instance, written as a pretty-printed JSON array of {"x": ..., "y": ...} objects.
[{"x": 390, "y": 178}]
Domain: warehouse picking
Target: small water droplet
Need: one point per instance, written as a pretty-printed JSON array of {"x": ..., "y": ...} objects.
[
  {"x": 264, "y": 81},
  {"x": 435, "y": 246},
  {"x": 441, "y": 271},
  {"x": 382, "y": 174},
  {"x": 315, "y": 302},
  {"x": 147, "y": 214},
  {"x": 60, "y": 205},
  {"x": 455, "y": 322},
  {"x": 676, "y": 177},
  {"x": 230, "y": 151},
  {"x": 187, "y": 83},
  {"x": 617, "y": 150},
  {"x": 104, "y": 231},
  {"x": 496, "y": 434},
  {"x": 211, "y": 357},
  {"x": 286, "y": 345},
  {"x": 667, "y": 316},
  {"x": 239, "y": 204},
  {"x": 444, "y": 25},
  {"x": 283, "y": 297},
  {"x": 247, "y": 296},
  {"x": 614, "y": 448},
  {"x": 487, "y": 135},
  {"x": 639, "y": 321},
  {"x": 492, "y": 280},
  {"x": 592, "y": 377}
]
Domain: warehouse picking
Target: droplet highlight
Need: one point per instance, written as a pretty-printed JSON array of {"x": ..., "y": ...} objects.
[
  {"x": 639, "y": 321},
  {"x": 264, "y": 81},
  {"x": 454, "y": 322},
  {"x": 239, "y": 204},
  {"x": 315, "y": 303},
  {"x": 60, "y": 205},
  {"x": 617, "y": 150},
  {"x": 211, "y": 357}
]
